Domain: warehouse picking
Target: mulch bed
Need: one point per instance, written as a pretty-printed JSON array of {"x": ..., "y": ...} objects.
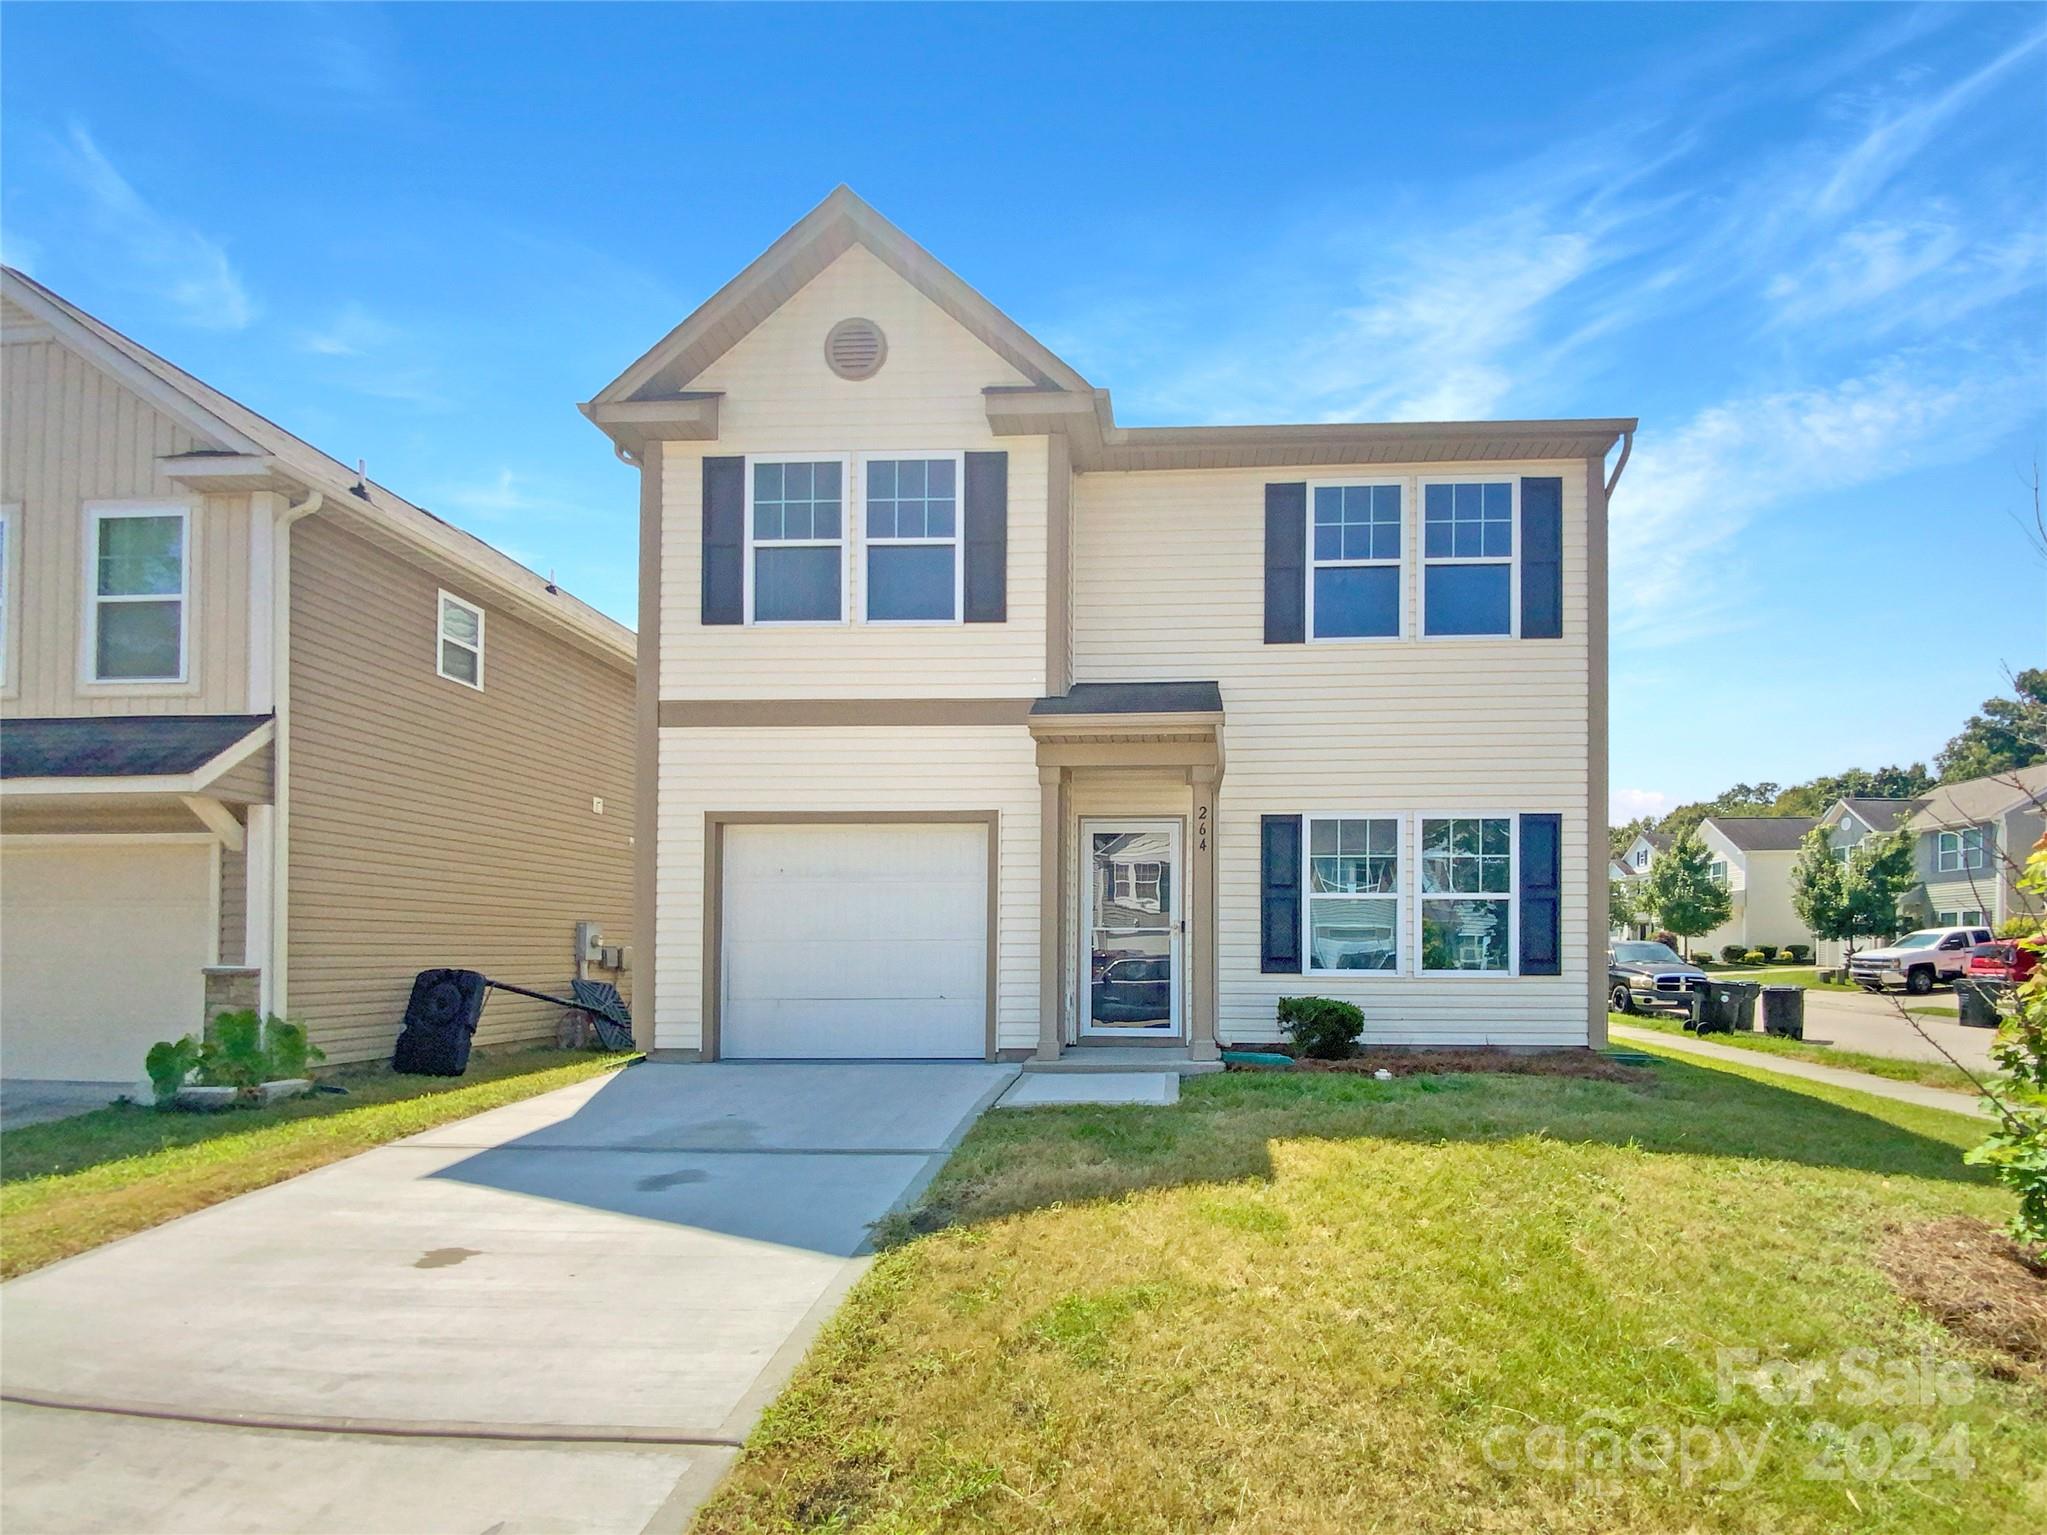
[
  {"x": 1979, "y": 1284},
  {"x": 1588, "y": 1064}
]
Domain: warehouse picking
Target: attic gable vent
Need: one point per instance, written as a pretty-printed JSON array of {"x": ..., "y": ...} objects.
[{"x": 855, "y": 349}]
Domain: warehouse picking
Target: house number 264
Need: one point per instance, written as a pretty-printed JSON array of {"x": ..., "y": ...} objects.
[{"x": 1201, "y": 828}]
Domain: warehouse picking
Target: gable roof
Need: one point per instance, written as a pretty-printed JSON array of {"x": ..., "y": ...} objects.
[
  {"x": 1880, "y": 815},
  {"x": 1763, "y": 833},
  {"x": 250, "y": 452},
  {"x": 1980, "y": 799},
  {"x": 651, "y": 398},
  {"x": 811, "y": 244}
]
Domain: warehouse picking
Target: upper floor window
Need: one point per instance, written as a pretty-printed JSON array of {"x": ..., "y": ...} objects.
[
  {"x": 1467, "y": 885},
  {"x": 1716, "y": 871},
  {"x": 1468, "y": 557},
  {"x": 1354, "y": 589},
  {"x": 1353, "y": 893},
  {"x": 914, "y": 569},
  {"x": 1960, "y": 850},
  {"x": 1641, "y": 858},
  {"x": 796, "y": 540},
  {"x": 139, "y": 586},
  {"x": 460, "y": 658}
]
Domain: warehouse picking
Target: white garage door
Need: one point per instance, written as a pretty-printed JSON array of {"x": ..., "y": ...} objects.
[
  {"x": 855, "y": 941},
  {"x": 100, "y": 951}
]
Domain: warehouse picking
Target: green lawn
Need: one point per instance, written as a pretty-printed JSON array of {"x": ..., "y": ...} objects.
[
  {"x": 1926, "y": 1073},
  {"x": 72, "y": 1184},
  {"x": 1303, "y": 1304}
]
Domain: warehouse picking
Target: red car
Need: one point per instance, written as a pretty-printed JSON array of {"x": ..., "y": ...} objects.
[{"x": 2003, "y": 963}]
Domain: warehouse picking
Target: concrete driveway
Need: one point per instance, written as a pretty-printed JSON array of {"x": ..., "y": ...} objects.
[
  {"x": 1858, "y": 1021},
  {"x": 561, "y": 1315}
]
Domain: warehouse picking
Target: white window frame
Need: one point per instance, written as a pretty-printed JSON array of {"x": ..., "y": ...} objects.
[
  {"x": 1513, "y": 897},
  {"x": 1967, "y": 859},
  {"x": 1423, "y": 560},
  {"x": 1716, "y": 871},
  {"x": 1403, "y": 565},
  {"x": 96, "y": 513},
  {"x": 864, "y": 542},
  {"x": 851, "y": 504},
  {"x": 442, "y": 637},
  {"x": 10, "y": 592},
  {"x": 1403, "y": 876}
]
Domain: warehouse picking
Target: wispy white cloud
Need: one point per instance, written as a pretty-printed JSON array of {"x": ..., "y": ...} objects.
[
  {"x": 177, "y": 261},
  {"x": 1626, "y": 804},
  {"x": 1689, "y": 492},
  {"x": 352, "y": 332},
  {"x": 508, "y": 494}
]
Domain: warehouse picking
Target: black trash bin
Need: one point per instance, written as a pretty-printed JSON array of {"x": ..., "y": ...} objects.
[
  {"x": 1784, "y": 1011},
  {"x": 440, "y": 1017},
  {"x": 1978, "y": 1001},
  {"x": 1725, "y": 1006}
]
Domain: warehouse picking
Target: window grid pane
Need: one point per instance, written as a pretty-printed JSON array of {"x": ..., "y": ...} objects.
[
  {"x": 797, "y": 501},
  {"x": 1468, "y": 521},
  {"x": 1357, "y": 522},
  {"x": 912, "y": 498}
]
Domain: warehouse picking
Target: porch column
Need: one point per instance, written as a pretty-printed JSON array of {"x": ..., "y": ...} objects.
[
  {"x": 1051, "y": 903},
  {"x": 1201, "y": 1041}
]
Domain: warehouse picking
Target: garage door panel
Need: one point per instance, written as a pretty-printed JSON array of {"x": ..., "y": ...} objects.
[
  {"x": 854, "y": 940},
  {"x": 101, "y": 955}
]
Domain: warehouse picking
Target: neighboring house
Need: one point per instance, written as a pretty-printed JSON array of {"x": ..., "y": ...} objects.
[
  {"x": 259, "y": 716},
  {"x": 1970, "y": 844},
  {"x": 1849, "y": 824},
  {"x": 938, "y": 662},
  {"x": 1643, "y": 852},
  {"x": 1753, "y": 855}
]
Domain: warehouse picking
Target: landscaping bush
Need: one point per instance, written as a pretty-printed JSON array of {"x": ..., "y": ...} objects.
[
  {"x": 1321, "y": 1027},
  {"x": 168, "y": 1063},
  {"x": 1798, "y": 953},
  {"x": 233, "y": 1055},
  {"x": 1732, "y": 953},
  {"x": 1754, "y": 957},
  {"x": 240, "y": 1050},
  {"x": 1769, "y": 954},
  {"x": 291, "y": 1054}
]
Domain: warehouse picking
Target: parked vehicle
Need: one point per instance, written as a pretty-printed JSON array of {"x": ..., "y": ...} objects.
[
  {"x": 2002, "y": 962},
  {"x": 1642, "y": 976},
  {"x": 1918, "y": 961}
]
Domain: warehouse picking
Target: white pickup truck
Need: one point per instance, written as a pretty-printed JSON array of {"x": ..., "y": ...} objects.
[{"x": 1917, "y": 960}]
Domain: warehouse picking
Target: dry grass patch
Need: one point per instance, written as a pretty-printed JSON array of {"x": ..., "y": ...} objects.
[
  {"x": 1303, "y": 1303},
  {"x": 1588, "y": 1065},
  {"x": 1977, "y": 1282}
]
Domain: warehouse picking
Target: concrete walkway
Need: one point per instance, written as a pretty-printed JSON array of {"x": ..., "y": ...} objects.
[
  {"x": 33, "y": 1103},
  {"x": 561, "y": 1315},
  {"x": 1834, "y": 1076}
]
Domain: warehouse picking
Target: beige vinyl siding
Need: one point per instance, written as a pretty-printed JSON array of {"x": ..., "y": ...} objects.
[
  {"x": 250, "y": 781},
  {"x": 870, "y": 768},
  {"x": 432, "y": 824},
  {"x": 70, "y": 435},
  {"x": 779, "y": 397},
  {"x": 1169, "y": 583},
  {"x": 234, "y": 906}
]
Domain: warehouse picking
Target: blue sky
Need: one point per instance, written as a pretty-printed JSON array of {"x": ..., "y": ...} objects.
[{"x": 1807, "y": 245}]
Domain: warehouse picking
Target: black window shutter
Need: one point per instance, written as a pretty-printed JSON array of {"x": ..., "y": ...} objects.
[
  {"x": 987, "y": 529},
  {"x": 1542, "y": 559},
  {"x": 1286, "y": 564},
  {"x": 724, "y": 540},
  {"x": 1279, "y": 920},
  {"x": 1542, "y": 894}
]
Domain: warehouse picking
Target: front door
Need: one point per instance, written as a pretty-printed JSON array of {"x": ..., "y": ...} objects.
[{"x": 1131, "y": 929}]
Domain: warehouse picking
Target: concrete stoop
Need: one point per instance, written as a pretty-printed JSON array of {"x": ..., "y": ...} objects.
[{"x": 1130, "y": 1058}]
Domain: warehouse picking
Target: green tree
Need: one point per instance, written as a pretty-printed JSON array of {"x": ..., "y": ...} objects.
[
  {"x": 2017, "y": 1149},
  {"x": 1876, "y": 874},
  {"x": 2009, "y": 733},
  {"x": 1620, "y": 903},
  {"x": 1818, "y": 887},
  {"x": 1683, "y": 893}
]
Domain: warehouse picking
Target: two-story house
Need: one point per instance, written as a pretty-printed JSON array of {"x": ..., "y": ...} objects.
[
  {"x": 1970, "y": 842},
  {"x": 264, "y": 721},
  {"x": 973, "y": 724},
  {"x": 1753, "y": 856}
]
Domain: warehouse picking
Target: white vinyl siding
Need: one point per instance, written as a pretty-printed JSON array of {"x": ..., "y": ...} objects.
[
  {"x": 780, "y": 399},
  {"x": 459, "y": 656},
  {"x": 1316, "y": 730}
]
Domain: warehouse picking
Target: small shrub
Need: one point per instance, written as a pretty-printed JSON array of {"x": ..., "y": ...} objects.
[
  {"x": 1798, "y": 953},
  {"x": 1769, "y": 954},
  {"x": 2017, "y": 927},
  {"x": 168, "y": 1063},
  {"x": 290, "y": 1053},
  {"x": 233, "y": 1054},
  {"x": 1732, "y": 953},
  {"x": 1754, "y": 957},
  {"x": 1321, "y": 1027}
]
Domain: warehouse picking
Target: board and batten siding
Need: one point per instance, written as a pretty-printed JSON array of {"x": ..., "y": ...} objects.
[
  {"x": 819, "y": 769},
  {"x": 432, "y": 824},
  {"x": 70, "y": 435},
  {"x": 781, "y": 398},
  {"x": 1168, "y": 580}
]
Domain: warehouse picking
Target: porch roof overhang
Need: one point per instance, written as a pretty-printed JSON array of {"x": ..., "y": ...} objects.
[
  {"x": 1131, "y": 725},
  {"x": 120, "y": 756}
]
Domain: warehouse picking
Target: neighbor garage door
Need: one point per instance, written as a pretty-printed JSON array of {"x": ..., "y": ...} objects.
[
  {"x": 855, "y": 941},
  {"x": 100, "y": 952}
]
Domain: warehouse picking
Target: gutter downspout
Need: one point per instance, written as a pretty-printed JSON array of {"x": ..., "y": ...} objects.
[
  {"x": 280, "y": 665},
  {"x": 1627, "y": 447}
]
